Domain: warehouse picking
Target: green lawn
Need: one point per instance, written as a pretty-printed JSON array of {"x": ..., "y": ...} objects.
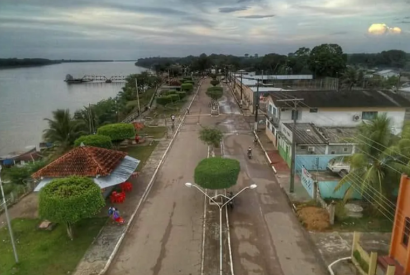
[
  {"x": 141, "y": 152},
  {"x": 170, "y": 109},
  {"x": 46, "y": 252},
  {"x": 154, "y": 132}
]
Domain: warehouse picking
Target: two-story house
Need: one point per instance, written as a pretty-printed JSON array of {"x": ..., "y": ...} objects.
[{"x": 332, "y": 114}]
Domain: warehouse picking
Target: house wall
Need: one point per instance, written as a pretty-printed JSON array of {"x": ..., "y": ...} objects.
[
  {"x": 327, "y": 190},
  {"x": 398, "y": 250},
  {"x": 284, "y": 150},
  {"x": 314, "y": 162},
  {"x": 270, "y": 132},
  {"x": 303, "y": 149},
  {"x": 342, "y": 117}
]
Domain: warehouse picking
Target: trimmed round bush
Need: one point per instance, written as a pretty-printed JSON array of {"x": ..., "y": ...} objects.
[
  {"x": 174, "y": 97},
  {"x": 214, "y": 82},
  {"x": 217, "y": 173},
  {"x": 188, "y": 87},
  {"x": 215, "y": 93},
  {"x": 94, "y": 140},
  {"x": 163, "y": 100},
  {"x": 117, "y": 131},
  {"x": 181, "y": 94}
]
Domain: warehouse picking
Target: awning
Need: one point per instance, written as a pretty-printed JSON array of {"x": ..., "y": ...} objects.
[{"x": 120, "y": 174}]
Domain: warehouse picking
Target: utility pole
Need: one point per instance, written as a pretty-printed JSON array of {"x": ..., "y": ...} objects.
[
  {"x": 295, "y": 102},
  {"x": 138, "y": 96},
  {"x": 256, "y": 105},
  {"x": 241, "y": 88}
]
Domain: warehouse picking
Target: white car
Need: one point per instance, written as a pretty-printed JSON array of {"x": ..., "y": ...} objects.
[{"x": 337, "y": 165}]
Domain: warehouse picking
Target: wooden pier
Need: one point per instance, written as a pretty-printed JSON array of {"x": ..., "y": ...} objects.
[{"x": 95, "y": 78}]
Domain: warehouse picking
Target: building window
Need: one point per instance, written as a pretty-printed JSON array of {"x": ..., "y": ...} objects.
[
  {"x": 303, "y": 147},
  {"x": 274, "y": 111},
  {"x": 369, "y": 115},
  {"x": 297, "y": 114},
  {"x": 345, "y": 149},
  {"x": 406, "y": 232},
  {"x": 314, "y": 110}
]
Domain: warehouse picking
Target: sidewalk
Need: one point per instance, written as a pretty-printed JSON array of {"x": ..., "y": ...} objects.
[{"x": 282, "y": 170}]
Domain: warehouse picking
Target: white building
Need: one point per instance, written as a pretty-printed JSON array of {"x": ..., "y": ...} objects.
[
  {"x": 386, "y": 73},
  {"x": 335, "y": 109}
]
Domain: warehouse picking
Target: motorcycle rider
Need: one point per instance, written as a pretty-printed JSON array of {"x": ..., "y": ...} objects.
[{"x": 249, "y": 151}]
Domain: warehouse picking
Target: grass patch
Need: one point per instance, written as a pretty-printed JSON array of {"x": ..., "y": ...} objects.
[
  {"x": 46, "y": 252},
  {"x": 362, "y": 263},
  {"x": 154, "y": 132},
  {"x": 372, "y": 220},
  {"x": 169, "y": 109},
  {"x": 142, "y": 153}
]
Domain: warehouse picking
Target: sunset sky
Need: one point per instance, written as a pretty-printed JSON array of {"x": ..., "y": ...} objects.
[{"x": 129, "y": 29}]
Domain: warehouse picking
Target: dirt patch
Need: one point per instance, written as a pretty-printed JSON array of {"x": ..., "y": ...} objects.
[{"x": 314, "y": 218}]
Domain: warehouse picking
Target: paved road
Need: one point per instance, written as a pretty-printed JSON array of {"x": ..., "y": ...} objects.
[
  {"x": 167, "y": 235},
  {"x": 166, "y": 238},
  {"x": 266, "y": 237}
]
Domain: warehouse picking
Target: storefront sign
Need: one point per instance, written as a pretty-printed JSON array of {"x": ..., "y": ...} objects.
[{"x": 307, "y": 181}]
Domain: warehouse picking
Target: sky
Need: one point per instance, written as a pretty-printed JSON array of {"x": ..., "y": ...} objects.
[{"x": 131, "y": 29}]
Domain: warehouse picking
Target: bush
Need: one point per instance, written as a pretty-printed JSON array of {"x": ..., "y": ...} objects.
[
  {"x": 174, "y": 83},
  {"x": 188, "y": 87},
  {"x": 214, "y": 82},
  {"x": 362, "y": 263},
  {"x": 188, "y": 82},
  {"x": 94, "y": 140},
  {"x": 163, "y": 100},
  {"x": 213, "y": 76},
  {"x": 215, "y": 93},
  {"x": 174, "y": 97},
  {"x": 211, "y": 136},
  {"x": 187, "y": 78},
  {"x": 217, "y": 173},
  {"x": 69, "y": 200},
  {"x": 181, "y": 94},
  {"x": 170, "y": 92},
  {"x": 117, "y": 131}
]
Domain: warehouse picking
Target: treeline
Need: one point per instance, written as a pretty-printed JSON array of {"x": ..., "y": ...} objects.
[
  {"x": 304, "y": 60},
  {"x": 15, "y": 62}
]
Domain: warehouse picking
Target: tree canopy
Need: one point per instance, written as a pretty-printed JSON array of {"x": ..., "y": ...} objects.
[
  {"x": 69, "y": 200},
  {"x": 217, "y": 173},
  {"x": 94, "y": 140},
  {"x": 211, "y": 136},
  {"x": 327, "y": 60},
  {"x": 117, "y": 131},
  {"x": 214, "y": 93}
]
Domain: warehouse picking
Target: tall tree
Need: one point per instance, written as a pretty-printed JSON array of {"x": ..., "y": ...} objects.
[
  {"x": 327, "y": 60},
  {"x": 376, "y": 162},
  {"x": 63, "y": 130}
]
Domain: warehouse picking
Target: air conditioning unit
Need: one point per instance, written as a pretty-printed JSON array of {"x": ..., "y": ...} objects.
[
  {"x": 311, "y": 150},
  {"x": 356, "y": 118}
]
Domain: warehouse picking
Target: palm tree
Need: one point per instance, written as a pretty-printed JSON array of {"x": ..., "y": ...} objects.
[
  {"x": 63, "y": 129},
  {"x": 374, "y": 168}
]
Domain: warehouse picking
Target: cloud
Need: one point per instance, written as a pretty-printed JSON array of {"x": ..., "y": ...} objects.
[
  {"x": 131, "y": 29},
  {"x": 257, "y": 16},
  {"x": 232, "y": 9}
]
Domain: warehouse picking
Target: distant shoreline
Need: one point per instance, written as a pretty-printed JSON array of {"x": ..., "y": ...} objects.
[{"x": 14, "y": 63}]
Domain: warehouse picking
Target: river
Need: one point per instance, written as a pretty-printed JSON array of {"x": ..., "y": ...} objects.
[{"x": 28, "y": 95}]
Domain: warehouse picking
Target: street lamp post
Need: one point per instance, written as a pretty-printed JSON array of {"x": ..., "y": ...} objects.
[
  {"x": 8, "y": 220},
  {"x": 220, "y": 206}
]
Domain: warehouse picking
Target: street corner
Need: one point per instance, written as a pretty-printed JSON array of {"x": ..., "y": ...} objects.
[{"x": 332, "y": 245}]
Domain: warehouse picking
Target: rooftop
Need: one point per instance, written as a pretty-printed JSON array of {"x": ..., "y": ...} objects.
[
  {"x": 305, "y": 133},
  {"x": 342, "y": 99},
  {"x": 83, "y": 161},
  {"x": 308, "y": 133}
]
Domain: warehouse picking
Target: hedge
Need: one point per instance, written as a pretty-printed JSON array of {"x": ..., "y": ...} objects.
[
  {"x": 117, "y": 131},
  {"x": 217, "y": 173},
  {"x": 187, "y": 87},
  {"x": 215, "y": 92},
  {"x": 214, "y": 82},
  {"x": 187, "y": 78},
  {"x": 94, "y": 140},
  {"x": 167, "y": 99},
  {"x": 181, "y": 94},
  {"x": 188, "y": 82}
]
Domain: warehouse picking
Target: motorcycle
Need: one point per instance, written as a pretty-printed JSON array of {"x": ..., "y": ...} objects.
[
  {"x": 250, "y": 154},
  {"x": 230, "y": 203}
]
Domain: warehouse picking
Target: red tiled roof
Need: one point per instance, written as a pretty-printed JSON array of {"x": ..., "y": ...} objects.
[{"x": 84, "y": 161}]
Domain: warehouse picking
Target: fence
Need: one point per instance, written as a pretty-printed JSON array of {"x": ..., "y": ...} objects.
[
  {"x": 16, "y": 195},
  {"x": 330, "y": 208}
]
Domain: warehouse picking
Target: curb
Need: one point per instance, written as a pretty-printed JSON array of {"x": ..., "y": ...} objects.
[
  {"x": 147, "y": 190},
  {"x": 266, "y": 154}
]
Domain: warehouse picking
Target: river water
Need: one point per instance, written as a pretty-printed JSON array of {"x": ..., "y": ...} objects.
[{"x": 28, "y": 95}]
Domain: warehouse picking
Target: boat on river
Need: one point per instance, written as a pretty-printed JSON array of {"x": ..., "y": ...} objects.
[
  {"x": 71, "y": 80},
  {"x": 21, "y": 157}
]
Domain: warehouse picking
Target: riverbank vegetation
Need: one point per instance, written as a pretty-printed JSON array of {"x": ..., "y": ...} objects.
[{"x": 25, "y": 62}]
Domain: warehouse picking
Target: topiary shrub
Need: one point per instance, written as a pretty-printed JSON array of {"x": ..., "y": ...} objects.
[
  {"x": 171, "y": 92},
  {"x": 94, "y": 140},
  {"x": 69, "y": 200},
  {"x": 217, "y": 173},
  {"x": 214, "y": 82},
  {"x": 174, "y": 97},
  {"x": 215, "y": 93},
  {"x": 117, "y": 131},
  {"x": 188, "y": 78},
  {"x": 181, "y": 94},
  {"x": 163, "y": 100},
  {"x": 187, "y": 87}
]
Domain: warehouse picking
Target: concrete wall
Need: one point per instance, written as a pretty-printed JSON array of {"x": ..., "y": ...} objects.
[
  {"x": 284, "y": 150},
  {"x": 314, "y": 162},
  {"x": 327, "y": 190},
  {"x": 342, "y": 117},
  {"x": 270, "y": 132}
]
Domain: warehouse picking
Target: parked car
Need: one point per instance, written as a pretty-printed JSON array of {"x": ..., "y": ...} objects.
[{"x": 339, "y": 166}]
